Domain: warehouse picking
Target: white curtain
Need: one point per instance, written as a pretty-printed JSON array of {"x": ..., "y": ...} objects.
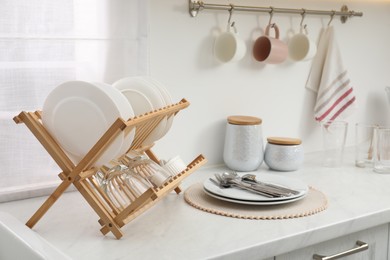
[{"x": 44, "y": 43}]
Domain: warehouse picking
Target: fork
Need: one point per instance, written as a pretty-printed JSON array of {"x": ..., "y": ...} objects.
[{"x": 222, "y": 183}]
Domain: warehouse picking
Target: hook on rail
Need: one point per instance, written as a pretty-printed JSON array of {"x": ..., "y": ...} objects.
[
  {"x": 230, "y": 15},
  {"x": 303, "y": 14},
  {"x": 331, "y": 17},
  {"x": 271, "y": 14}
]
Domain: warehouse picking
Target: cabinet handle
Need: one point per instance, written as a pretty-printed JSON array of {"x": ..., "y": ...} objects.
[{"x": 361, "y": 246}]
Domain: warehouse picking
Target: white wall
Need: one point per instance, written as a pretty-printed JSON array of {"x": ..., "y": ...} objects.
[{"x": 181, "y": 57}]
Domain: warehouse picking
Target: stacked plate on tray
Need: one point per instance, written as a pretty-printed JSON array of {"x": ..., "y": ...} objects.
[
  {"x": 78, "y": 113},
  {"x": 240, "y": 196}
]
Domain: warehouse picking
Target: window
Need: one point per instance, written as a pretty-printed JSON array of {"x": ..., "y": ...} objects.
[{"x": 44, "y": 43}]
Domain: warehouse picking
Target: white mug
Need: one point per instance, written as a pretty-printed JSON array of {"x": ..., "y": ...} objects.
[
  {"x": 301, "y": 47},
  {"x": 228, "y": 46},
  {"x": 174, "y": 166}
]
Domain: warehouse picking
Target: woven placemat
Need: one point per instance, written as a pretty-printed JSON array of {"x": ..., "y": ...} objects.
[{"x": 314, "y": 202}]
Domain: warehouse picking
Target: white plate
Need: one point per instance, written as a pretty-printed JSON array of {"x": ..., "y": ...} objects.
[
  {"x": 258, "y": 203},
  {"x": 78, "y": 113},
  {"x": 138, "y": 101},
  {"x": 242, "y": 195},
  {"x": 168, "y": 101},
  {"x": 152, "y": 94}
]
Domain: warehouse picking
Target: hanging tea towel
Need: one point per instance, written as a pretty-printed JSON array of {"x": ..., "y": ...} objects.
[{"x": 328, "y": 78}]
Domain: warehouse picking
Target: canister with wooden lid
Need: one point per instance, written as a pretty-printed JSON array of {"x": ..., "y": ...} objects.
[
  {"x": 243, "y": 149},
  {"x": 283, "y": 153}
]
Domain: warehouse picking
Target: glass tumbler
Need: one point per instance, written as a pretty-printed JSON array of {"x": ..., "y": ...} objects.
[
  {"x": 364, "y": 144},
  {"x": 141, "y": 165},
  {"x": 112, "y": 185},
  {"x": 382, "y": 156},
  {"x": 121, "y": 185},
  {"x": 334, "y": 135}
]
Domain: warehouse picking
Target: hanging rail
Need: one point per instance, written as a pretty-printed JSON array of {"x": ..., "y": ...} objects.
[{"x": 197, "y": 6}]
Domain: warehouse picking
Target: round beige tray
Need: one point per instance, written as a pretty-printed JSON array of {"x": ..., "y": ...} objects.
[{"x": 314, "y": 202}]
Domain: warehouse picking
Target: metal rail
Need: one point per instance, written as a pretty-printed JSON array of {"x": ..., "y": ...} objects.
[{"x": 197, "y": 6}]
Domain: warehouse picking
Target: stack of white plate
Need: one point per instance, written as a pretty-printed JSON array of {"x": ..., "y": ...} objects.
[
  {"x": 78, "y": 113},
  {"x": 146, "y": 94},
  {"x": 246, "y": 197}
]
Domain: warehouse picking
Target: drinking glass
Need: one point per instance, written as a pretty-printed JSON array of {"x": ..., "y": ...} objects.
[
  {"x": 122, "y": 186},
  {"x": 334, "y": 134},
  {"x": 141, "y": 165},
  {"x": 365, "y": 143},
  {"x": 382, "y": 156},
  {"x": 112, "y": 186}
]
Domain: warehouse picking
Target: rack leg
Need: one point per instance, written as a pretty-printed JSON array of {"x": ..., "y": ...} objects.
[
  {"x": 152, "y": 156},
  {"x": 105, "y": 218},
  {"x": 48, "y": 203}
]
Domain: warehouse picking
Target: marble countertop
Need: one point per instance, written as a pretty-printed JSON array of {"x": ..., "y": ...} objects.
[{"x": 172, "y": 229}]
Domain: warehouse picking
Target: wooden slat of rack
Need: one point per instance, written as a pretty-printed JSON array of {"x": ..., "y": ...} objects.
[
  {"x": 87, "y": 161},
  {"x": 175, "y": 108},
  {"x": 93, "y": 154},
  {"x": 31, "y": 120},
  {"x": 105, "y": 230},
  {"x": 86, "y": 174},
  {"x": 113, "y": 210},
  {"x": 153, "y": 157},
  {"x": 147, "y": 196},
  {"x": 134, "y": 210},
  {"x": 48, "y": 203},
  {"x": 99, "y": 208},
  {"x": 160, "y": 193},
  {"x": 194, "y": 165},
  {"x": 143, "y": 131}
]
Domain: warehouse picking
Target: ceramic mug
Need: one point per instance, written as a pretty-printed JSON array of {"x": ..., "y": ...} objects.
[
  {"x": 301, "y": 47},
  {"x": 228, "y": 46},
  {"x": 174, "y": 166},
  {"x": 270, "y": 49}
]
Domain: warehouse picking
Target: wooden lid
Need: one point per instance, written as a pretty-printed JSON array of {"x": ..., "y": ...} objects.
[
  {"x": 284, "y": 140},
  {"x": 244, "y": 120}
]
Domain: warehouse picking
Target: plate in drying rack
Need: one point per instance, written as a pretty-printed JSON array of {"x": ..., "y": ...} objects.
[
  {"x": 152, "y": 94},
  {"x": 78, "y": 113}
]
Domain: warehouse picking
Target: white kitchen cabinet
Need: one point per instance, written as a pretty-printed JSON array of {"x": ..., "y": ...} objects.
[{"x": 376, "y": 238}]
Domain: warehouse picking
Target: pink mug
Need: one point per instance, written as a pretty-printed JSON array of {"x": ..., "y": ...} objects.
[{"x": 268, "y": 49}]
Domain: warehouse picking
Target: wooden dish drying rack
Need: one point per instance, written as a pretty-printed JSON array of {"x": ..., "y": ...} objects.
[{"x": 82, "y": 175}]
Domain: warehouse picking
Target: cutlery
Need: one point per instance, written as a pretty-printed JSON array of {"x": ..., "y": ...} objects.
[
  {"x": 252, "y": 178},
  {"x": 229, "y": 183},
  {"x": 258, "y": 186}
]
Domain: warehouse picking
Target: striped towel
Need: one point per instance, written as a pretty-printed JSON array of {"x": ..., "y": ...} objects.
[{"x": 328, "y": 78}]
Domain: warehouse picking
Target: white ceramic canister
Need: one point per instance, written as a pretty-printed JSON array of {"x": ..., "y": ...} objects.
[
  {"x": 284, "y": 154},
  {"x": 243, "y": 149}
]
